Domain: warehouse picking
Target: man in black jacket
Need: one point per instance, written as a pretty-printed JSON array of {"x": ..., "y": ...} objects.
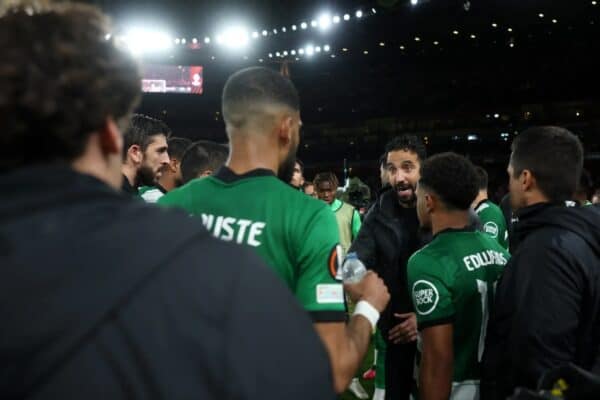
[
  {"x": 388, "y": 237},
  {"x": 103, "y": 296},
  {"x": 547, "y": 308}
]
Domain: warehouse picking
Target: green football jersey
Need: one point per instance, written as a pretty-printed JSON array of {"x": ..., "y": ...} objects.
[
  {"x": 493, "y": 222},
  {"x": 296, "y": 235},
  {"x": 452, "y": 280}
]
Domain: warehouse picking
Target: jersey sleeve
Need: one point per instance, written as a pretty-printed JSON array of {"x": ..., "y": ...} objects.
[
  {"x": 319, "y": 258},
  {"x": 430, "y": 291},
  {"x": 493, "y": 224},
  {"x": 356, "y": 223}
]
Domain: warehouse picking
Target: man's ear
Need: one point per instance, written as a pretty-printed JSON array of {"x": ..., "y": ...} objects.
[
  {"x": 135, "y": 153},
  {"x": 174, "y": 165},
  {"x": 527, "y": 180},
  {"x": 111, "y": 140},
  {"x": 284, "y": 129},
  {"x": 431, "y": 203}
]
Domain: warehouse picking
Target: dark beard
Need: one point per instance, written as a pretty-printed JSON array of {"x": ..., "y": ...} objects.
[
  {"x": 145, "y": 177},
  {"x": 286, "y": 169},
  {"x": 407, "y": 203}
]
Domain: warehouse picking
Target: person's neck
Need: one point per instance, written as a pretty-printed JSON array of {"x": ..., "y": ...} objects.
[
  {"x": 481, "y": 196},
  {"x": 130, "y": 173},
  {"x": 248, "y": 152},
  {"x": 168, "y": 182},
  {"x": 449, "y": 220}
]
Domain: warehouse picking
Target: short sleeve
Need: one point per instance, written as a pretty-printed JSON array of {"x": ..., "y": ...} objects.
[
  {"x": 319, "y": 259},
  {"x": 430, "y": 292}
]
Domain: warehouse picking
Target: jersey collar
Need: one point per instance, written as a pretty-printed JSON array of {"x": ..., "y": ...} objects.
[
  {"x": 480, "y": 204},
  {"x": 336, "y": 205},
  {"x": 467, "y": 228},
  {"x": 228, "y": 176}
]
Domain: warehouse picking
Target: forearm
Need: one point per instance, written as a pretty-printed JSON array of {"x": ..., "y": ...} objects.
[
  {"x": 347, "y": 349},
  {"x": 435, "y": 378}
]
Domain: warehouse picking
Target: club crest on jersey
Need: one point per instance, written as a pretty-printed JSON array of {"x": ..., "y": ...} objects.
[
  {"x": 491, "y": 229},
  {"x": 426, "y": 297}
]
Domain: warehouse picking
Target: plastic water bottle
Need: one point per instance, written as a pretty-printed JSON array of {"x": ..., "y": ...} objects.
[{"x": 353, "y": 270}]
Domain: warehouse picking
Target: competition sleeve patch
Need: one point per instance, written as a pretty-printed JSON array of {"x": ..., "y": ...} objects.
[{"x": 335, "y": 261}]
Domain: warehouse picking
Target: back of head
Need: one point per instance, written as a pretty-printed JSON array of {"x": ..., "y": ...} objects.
[
  {"x": 177, "y": 147},
  {"x": 60, "y": 80},
  {"x": 409, "y": 143},
  {"x": 482, "y": 175},
  {"x": 141, "y": 130},
  {"x": 452, "y": 178},
  {"x": 554, "y": 156},
  {"x": 203, "y": 158},
  {"x": 253, "y": 92}
]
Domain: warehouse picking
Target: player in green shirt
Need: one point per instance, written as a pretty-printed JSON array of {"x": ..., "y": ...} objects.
[
  {"x": 452, "y": 281},
  {"x": 245, "y": 202},
  {"x": 492, "y": 219}
]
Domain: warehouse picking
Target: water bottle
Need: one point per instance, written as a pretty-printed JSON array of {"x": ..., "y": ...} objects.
[{"x": 353, "y": 270}]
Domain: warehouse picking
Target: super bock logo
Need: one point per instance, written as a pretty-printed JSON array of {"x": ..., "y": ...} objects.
[
  {"x": 425, "y": 296},
  {"x": 491, "y": 228}
]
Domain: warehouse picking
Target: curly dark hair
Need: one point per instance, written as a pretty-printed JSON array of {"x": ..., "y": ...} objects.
[
  {"x": 453, "y": 178},
  {"x": 141, "y": 131},
  {"x": 61, "y": 76},
  {"x": 406, "y": 143},
  {"x": 326, "y": 177}
]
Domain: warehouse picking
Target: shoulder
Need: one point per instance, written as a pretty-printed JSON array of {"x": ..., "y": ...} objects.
[{"x": 424, "y": 260}]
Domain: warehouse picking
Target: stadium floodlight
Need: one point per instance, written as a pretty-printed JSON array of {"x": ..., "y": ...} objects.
[
  {"x": 301, "y": 51},
  {"x": 541, "y": 15},
  {"x": 309, "y": 50},
  {"x": 455, "y": 32},
  {"x": 234, "y": 37},
  {"x": 494, "y": 25},
  {"x": 294, "y": 27},
  {"x": 177, "y": 40},
  {"x": 326, "y": 48},
  {"x": 283, "y": 30},
  {"x": 183, "y": 41},
  {"x": 496, "y": 116},
  {"x": 270, "y": 55},
  {"x": 293, "y": 52},
  {"x": 265, "y": 33},
  {"x": 346, "y": 17},
  {"x": 304, "y": 25},
  {"x": 336, "y": 19},
  {"x": 255, "y": 35},
  {"x": 324, "y": 21},
  {"x": 472, "y": 138},
  {"x": 414, "y": 2},
  {"x": 314, "y": 23},
  {"x": 359, "y": 14},
  {"x": 275, "y": 31},
  {"x": 318, "y": 49},
  {"x": 194, "y": 40},
  {"x": 285, "y": 53},
  {"x": 373, "y": 10},
  {"x": 278, "y": 54},
  {"x": 207, "y": 40},
  {"x": 141, "y": 41}
]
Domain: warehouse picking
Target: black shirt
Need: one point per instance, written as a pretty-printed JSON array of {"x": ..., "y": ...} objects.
[{"x": 105, "y": 297}]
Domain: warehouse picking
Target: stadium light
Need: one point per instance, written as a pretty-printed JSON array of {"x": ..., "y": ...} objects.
[
  {"x": 177, "y": 40},
  {"x": 265, "y": 33},
  {"x": 255, "y": 35},
  {"x": 324, "y": 21},
  {"x": 346, "y": 17},
  {"x": 304, "y": 25},
  {"x": 414, "y": 2},
  {"x": 336, "y": 19},
  {"x": 294, "y": 27},
  {"x": 326, "y": 48},
  {"x": 494, "y": 25},
  {"x": 301, "y": 51},
  {"x": 285, "y": 53},
  {"x": 275, "y": 31},
  {"x": 278, "y": 54},
  {"x": 183, "y": 41},
  {"x": 207, "y": 40},
  {"x": 472, "y": 138},
  {"x": 194, "y": 40},
  {"x": 270, "y": 55},
  {"x": 359, "y": 14},
  {"x": 234, "y": 38},
  {"x": 318, "y": 49},
  {"x": 293, "y": 52},
  {"x": 309, "y": 50},
  {"x": 314, "y": 23},
  {"x": 142, "y": 41},
  {"x": 283, "y": 30}
]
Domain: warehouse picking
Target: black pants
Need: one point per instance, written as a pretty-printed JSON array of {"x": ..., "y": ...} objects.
[{"x": 399, "y": 367}]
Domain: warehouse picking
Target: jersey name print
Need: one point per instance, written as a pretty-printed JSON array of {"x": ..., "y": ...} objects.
[
  {"x": 242, "y": 231},
  {"x": 296, "y": 235},
  {"x": 452, "y": 281}
]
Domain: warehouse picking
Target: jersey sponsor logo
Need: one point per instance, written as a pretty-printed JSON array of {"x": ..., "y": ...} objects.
[
  {"x": 426, "y": 297},
  {"x": 334, "y": 261},
  {"x": 242, "y": 231},
  {"x": 330, "y": 293},
  {"x": 491, "y": 229},
  {"x": 483, "y": 259}
]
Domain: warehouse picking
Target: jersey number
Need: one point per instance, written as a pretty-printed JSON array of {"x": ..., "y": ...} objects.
[{"x": 482, "y": 288}]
